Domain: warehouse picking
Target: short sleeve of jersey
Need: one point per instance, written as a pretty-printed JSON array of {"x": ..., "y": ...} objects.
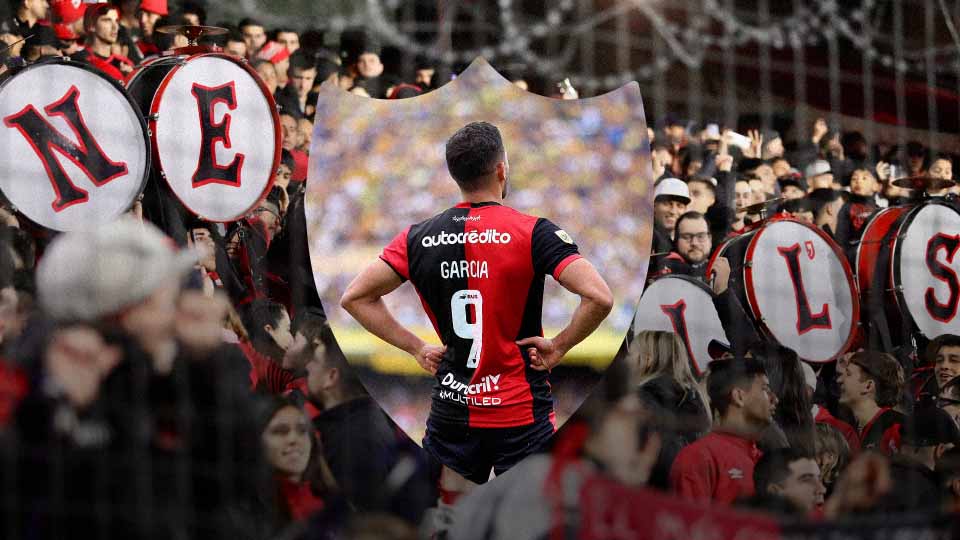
[
  {"x": 553, "y": 249},
  {"x": 395, "y": 254}
]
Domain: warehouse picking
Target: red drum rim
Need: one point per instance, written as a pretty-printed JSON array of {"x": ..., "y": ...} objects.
[
  {"x": 752, "y": 298},
  {"x": 155, "y": 107}
]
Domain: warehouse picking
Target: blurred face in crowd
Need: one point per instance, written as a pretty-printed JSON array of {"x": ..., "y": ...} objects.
[
  {"x": 805, "y": 216},
  {"x": 204, "y": 241},
  {"x": 369, "y": 65},
  {"x": 237, "y": 49},
  {"x": 232, "y": 246},
  {"x": 854, "y": 385},
  {"x": 191, "y": 19},
  {"x": 863, "y": 183},
  {"x": 915, "y": 163},
  {"x": 291, "y": 132},
  {"x": 617, "y": 443},
  {"x": 773, "y": 148},
  {"x": 281, "y": 334},
  {"x": 674, "y": 133},
  {"x": 107, "y": 27},
  {"x": 321, "y": 379},
  {"x": 701, "y": 196},
  {"x": 781, "y": 167},
  {"x": 147, "y": 21},
  {"x": 287, "y": 443},
  {"x": 296, "y": 356},
  {"x": 37, "y": 8},
  {"x": 769, "y": 180},
  {"x": 269, "y": 214},
  {"x": 254, "y": 36},
  {"x": 791, "y": 191},
  {"x": 693, "y": 167},
  {"x": 759, "y": 402},
  {"x": 282, "y": 178},
  {"x": 742, "y": 196},
  {"x": 758, "y": 192},
  {"x": 424, "y": 77},
  {"x": 666, "y": 210},
  {"x": 306, "y": 133},
  {"x": 941, "y": 168},
  {"x": 802, "y": 486},
  {"x": 302, "y": 80},
  {"x": 290, "y": 40},
  {"x": 153, "y": 320},
  {"x": 268, "y": 73},
  {"x": 8, "y": 314},
  {"x": 693, "y": 240},
  {"x": 821, "y": 181},
  {"x": 947, "y": 364}
]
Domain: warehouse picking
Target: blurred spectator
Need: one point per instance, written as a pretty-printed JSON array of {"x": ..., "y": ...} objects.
[
  {"x": 27, "y": 13},
  {"x": 236, "y": 45},
  {"x": 268, "y": 325},
  {"x": 793, "y": 412},
  {"x": 288, "y": 37},
  {"x": 670, "y": 200},
  {"x": 149, "y": 13},
  {"x": 268, "y": 73},
  {"x": 703, "y": 193},
  {"x": 193, "y": 13},
  {"x": 295, "y": 98},
  {"x": 827, "y": 205},
  {"x": 819, "y": 175},
  {"x": 254, "y": 35},
  {"x": 833, "y": 453}
]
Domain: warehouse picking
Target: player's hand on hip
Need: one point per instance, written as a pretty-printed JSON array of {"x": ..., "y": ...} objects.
[
  {"x": 429, "y": 357},
  {"x": 544, "y": 353}
]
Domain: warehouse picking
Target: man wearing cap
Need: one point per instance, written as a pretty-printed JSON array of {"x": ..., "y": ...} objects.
[
  {"x": 792, "y": 186},
  {"x": 69, "y": 13},
  {"x": 928, "y": 434},
  {"x": 870, "y": 386},
  {"x": 819, "y": 175},
  {"x": 150, "y": 11},
  {"x": 670, "y": 199}
]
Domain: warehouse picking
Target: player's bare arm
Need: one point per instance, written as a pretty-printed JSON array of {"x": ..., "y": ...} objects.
[
  {"x": 596, "y": 301},
  {"x": 363, "y": 300}
]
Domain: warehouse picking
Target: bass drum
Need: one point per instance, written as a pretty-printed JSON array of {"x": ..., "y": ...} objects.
[
  {"x": 75, "y": 152},
  {"x": 796, "y": 285},
  {"x": 684, "y": 306},
  {"x": 214, "y": 129},
  {"x": 917, "y": 247}
]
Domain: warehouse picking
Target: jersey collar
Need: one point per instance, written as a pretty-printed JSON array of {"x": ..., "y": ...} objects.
[{"x": 477, "y": 205}]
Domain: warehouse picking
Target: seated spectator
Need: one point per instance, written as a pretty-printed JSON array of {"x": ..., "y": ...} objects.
[
  {"x": 719, "y": 466},
  {"x": 870, "y": 385}
]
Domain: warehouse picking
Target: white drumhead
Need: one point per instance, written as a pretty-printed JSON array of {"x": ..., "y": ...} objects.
[
  {"x": 820, "y": 281},
  {"x": 113, "y": 124},
  {"x": 676, "y": 295},
  {"x": 928, "y": 261},
  {"x": 251, "y": 137}
]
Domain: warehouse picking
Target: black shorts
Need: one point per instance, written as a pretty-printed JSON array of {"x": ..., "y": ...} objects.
[{"x": 473, "y": 452}]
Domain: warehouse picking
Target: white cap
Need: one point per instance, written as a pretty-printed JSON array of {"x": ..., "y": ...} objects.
[
  {"x": 809, "y": 376},
  {"x": 817, "y": 168},
  {"x": 84, "y": 276},
  {"x": 672, "y": 187}
]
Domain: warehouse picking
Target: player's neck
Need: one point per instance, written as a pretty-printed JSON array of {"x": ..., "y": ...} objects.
[{"x": 482, "y": 196}]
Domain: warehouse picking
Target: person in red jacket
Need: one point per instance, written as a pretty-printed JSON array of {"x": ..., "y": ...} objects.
[
  {"x": 870, "y": 385},
  {"x": 102, "y": 26},
  {"x": 719, "y": 467}
]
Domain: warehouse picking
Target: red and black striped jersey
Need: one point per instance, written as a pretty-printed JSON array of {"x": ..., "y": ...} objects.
[{"x": 479, "y": 270}]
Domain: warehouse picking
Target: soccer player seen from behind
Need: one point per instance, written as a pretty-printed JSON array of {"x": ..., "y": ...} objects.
[{"x": 479, "y": 269}]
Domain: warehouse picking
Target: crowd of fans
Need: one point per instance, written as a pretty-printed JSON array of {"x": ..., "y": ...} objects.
[{"x": 148, "y": 391}]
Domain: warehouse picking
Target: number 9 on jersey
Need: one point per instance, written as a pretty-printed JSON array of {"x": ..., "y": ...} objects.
[{"x": 460, "y": 304}]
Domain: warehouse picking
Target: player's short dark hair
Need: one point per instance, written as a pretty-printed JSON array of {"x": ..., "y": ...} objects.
[
  {"x": 774, "y": 467},
  {"x": 473, "y": 152},
  {"x": 725, "y": 375},
  {"x": 690, "y": 214}
]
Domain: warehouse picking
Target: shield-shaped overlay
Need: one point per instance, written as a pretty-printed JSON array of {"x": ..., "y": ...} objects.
[{"x": 378, "y": 167}]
